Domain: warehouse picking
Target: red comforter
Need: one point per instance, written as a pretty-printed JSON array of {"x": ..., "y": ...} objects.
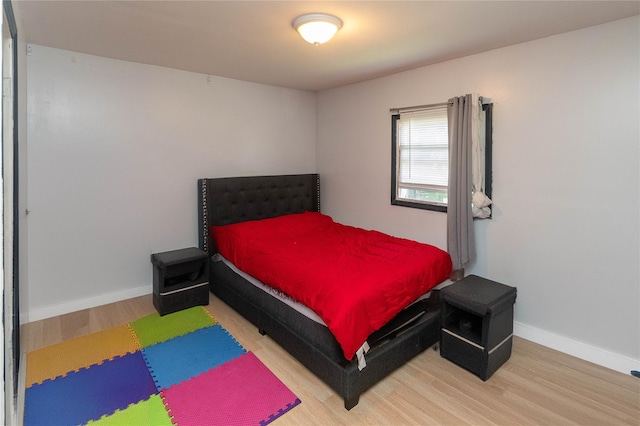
[{"x": 355, "y": 280}]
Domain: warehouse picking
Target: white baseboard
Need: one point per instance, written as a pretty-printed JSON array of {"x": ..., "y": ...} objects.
[
  {"x": 593, "y": 354},
  {"x": 580, "y": 350},
  {"x": 80, "y": 304}
]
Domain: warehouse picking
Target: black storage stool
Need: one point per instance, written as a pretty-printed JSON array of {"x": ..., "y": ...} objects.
[
  {"x": 180, "y": 279},
  {"x": 477, "y": 324}
]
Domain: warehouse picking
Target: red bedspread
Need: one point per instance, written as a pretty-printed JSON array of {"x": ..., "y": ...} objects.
[{"x": 355, "y": 280}]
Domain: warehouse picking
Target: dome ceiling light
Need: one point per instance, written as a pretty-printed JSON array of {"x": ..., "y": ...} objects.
[{"x": 317, "y": 28}]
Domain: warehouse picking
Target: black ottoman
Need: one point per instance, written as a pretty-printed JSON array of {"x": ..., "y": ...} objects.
[
  {"x": 477, "y": 324},
  {"x": 180, "y": 279}
]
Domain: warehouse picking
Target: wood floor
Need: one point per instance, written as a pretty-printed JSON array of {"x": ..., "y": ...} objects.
[{"x": 537, "y": 386}]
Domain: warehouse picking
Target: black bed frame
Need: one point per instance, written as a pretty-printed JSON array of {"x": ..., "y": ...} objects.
[{"x": 224, "y": 201}]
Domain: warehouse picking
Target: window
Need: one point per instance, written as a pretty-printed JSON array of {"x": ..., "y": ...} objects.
[{"x": 420, "y": 158}]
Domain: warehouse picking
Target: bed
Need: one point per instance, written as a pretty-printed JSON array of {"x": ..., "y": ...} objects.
[{"x": 227, "y": 201}]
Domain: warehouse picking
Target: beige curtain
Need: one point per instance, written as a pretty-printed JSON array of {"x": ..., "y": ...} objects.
[{"x": 460, "y": 236}]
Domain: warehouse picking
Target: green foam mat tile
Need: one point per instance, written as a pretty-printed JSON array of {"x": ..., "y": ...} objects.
[
  {"x": 149, "y": 412},
  {"x": 154, "y": 328}
]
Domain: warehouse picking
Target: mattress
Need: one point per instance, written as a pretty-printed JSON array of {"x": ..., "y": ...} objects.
[{"x": 280, "y": 295}]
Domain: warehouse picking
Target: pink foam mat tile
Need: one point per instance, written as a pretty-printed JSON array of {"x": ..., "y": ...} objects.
[{"x": 242, "y": 391}]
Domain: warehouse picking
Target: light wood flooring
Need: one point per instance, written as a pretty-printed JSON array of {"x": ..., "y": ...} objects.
[{"x": 537, "y": 386}]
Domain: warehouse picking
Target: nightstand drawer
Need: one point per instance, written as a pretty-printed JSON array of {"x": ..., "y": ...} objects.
[
  {"x": 478, "y": 360},
  {"x": 177, "y": 300}
]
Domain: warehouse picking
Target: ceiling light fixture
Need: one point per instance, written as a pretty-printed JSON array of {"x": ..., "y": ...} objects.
[{"x": 317, "y": 28}]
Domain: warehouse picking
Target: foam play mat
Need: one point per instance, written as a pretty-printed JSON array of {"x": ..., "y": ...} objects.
[{"x": 183, "y": 368}]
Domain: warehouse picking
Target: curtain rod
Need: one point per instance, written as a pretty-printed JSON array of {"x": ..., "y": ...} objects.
[
  {"x": 441, "y": 104},
  {"x": 419, "y": 107}
]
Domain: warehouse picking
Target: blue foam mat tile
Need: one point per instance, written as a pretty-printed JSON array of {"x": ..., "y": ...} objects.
[
  {"x": 184, "y": 357},
  {"x": 89, "y": 393}
]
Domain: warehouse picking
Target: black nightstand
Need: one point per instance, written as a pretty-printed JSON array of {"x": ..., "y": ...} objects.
[
  {"x": 477, "y": 324},
  {"x": 180, "y": 279}
]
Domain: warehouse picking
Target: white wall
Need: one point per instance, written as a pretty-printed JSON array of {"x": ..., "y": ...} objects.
[
  {"x": 566, "y": 179},
  {"x": 115, "y": 149}
]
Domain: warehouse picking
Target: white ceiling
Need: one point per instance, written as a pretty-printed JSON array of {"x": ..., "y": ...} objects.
[{"x": 254, "y": 40}]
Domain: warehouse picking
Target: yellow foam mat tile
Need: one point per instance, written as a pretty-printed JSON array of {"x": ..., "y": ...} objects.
[{"x": 81, "y": 352}]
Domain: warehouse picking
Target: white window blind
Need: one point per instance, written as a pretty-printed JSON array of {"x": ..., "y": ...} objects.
[{"x": 422, "y": 169}]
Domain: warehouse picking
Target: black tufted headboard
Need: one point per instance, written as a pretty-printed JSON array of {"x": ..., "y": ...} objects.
[{"x": 222, "y": 201}]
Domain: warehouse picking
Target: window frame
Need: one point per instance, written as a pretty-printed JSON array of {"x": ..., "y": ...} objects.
[{"x": 488, "y": 178}]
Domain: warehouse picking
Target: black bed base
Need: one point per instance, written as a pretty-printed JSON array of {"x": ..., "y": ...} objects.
[
  {"x": 223, "y": 201},
  {"x": 302, "y": 337}
]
